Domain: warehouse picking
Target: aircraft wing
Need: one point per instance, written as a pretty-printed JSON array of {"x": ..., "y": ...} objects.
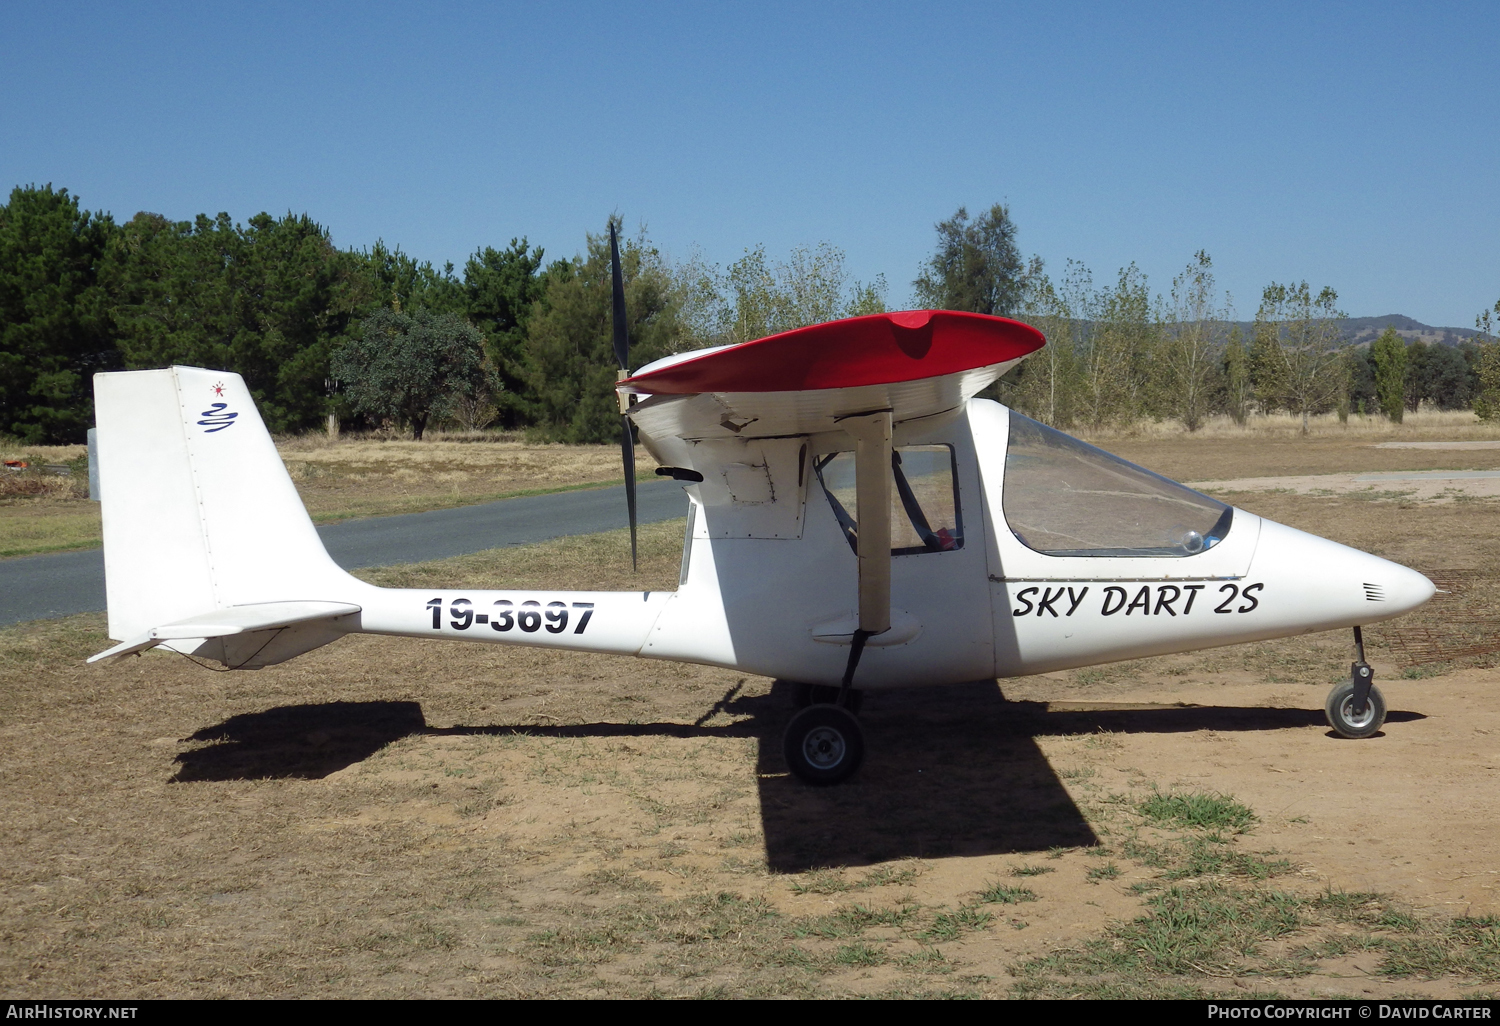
[{"x": 915, "y": 364}]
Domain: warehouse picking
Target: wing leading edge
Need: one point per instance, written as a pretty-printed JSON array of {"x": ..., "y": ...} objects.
[{"x": 915, "y": 364}]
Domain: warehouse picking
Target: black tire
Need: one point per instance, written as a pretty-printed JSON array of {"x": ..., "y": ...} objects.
[
  {"x": 823, "y": 745},
  {"x": 1341, "y": 718},
  {"x": 805, "y": 695}
]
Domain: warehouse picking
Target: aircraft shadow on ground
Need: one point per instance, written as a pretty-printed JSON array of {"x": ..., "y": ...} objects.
[
  {"x": 308, "y": 741},
  {"x": 949, "y": 771}
]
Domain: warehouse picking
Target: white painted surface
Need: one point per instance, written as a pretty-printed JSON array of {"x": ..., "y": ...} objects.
[{"x": 204, "y": 527}]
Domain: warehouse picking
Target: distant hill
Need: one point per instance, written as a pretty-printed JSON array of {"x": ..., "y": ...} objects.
[
  {"x": 1366, "y": 329},
  {"x": 1363, "y": 330}
]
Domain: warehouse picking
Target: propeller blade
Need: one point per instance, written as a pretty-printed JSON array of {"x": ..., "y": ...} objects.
[
  {"x": 622, "y": 338},
  {"x": 627, "y": 451},
  {"x": 622, "y": 355}
]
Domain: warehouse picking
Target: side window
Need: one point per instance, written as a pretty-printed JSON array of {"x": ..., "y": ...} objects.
[
  {"x": 1064, "y": 497},
  {"x": 924, "y": 498}
]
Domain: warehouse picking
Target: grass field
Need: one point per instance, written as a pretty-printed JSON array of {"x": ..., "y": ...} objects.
[
  {"x": 377, "y": 475},
  {"x": 354, "y": 477},
  {"x": 399, "y": 818}
]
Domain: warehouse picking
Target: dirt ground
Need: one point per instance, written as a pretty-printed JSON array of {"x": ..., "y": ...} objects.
[{"x": 396, "y": 818}]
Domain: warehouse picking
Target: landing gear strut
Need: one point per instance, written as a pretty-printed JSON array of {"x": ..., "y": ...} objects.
[
  {"x": 1355, "y": 706},
  {"x": 804, "y": 695}
]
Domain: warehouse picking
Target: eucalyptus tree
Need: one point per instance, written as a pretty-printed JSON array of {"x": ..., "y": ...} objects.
[
  {"x": 1238, "y": 397},
  {"x": 1115, "y": 357},
  {"x": 1447, "y": 382},
  {"x": 1487, "y": 366},
  {"x": 413, "y": 367},
  {"x": 1045, "y": 385},
  {"x": 757, "y": 296},
  {"x": 1187, "y": 361},
  {"x": 1298, "y": 350}
]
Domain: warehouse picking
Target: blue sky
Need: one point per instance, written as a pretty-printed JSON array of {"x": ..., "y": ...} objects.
[{"x": 1354, "y": 145}]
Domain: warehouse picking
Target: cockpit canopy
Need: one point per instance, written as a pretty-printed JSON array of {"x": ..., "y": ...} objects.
[{"x": 1063, "y": 497}]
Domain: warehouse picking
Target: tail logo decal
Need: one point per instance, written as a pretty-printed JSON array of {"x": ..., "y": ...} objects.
[{"x": 217, "y": 418}]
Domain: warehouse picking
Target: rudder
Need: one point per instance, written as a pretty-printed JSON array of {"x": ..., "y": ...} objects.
[{"x": 199, "y": 512}]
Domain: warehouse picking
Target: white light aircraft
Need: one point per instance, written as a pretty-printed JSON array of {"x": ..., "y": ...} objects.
[{"x": 857, "y": 521}]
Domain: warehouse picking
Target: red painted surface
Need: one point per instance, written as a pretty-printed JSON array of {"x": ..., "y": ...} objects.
[{"x": 878, "y": 349}]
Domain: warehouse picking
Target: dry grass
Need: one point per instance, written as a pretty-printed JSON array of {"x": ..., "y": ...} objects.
[
  {"x": 45, "y": 507},
  {"x": 379, "y": 474},
  {"x": 1424, "y": 425},
  {"x": 355, "y": 476},
  {"x": 396, "y": 818},
  {"x": 374, "y": 477}
]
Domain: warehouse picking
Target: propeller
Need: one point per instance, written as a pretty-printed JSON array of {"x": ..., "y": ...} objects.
[{"x": 622, "y": 357}]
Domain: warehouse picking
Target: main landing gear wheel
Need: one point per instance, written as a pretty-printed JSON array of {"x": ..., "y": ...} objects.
[
  {"x": 823, "y": 744},
  {"x": 804, "y": 695},
  {"x": 1341, "y": 715}
]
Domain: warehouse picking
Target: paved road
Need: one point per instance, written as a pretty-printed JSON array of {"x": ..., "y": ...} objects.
[{"x": 41, "y": 587}]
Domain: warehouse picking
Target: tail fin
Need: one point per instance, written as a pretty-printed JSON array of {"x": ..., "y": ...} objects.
[{"x": 200, "y": 515}]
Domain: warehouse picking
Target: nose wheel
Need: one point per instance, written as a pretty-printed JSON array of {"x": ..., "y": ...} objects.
[
  {"x": 1355, "y": 707},
  {"x": 823, "y": 744},
  {"x": 1351, "y": 720}
]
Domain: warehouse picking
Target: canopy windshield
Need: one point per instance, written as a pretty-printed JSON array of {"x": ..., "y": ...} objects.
[{"x": 1064, "y": 497}]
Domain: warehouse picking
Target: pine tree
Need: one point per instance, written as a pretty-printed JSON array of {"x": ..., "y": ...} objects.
[{"x": 54, "y": 324}]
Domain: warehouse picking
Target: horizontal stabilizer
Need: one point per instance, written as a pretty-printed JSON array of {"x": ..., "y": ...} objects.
[{"x": 259, "y": 616}]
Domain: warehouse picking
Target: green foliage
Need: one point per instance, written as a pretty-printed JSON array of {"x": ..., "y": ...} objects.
[
  {"x": 268, "y": 300},
  {"x": 1214, "y": 854},
  {"x": 1389, "y": 354},
  {"x": 412, "y": 366},
  {"x": 1108, "y": 871},
  {"x": 1187, "y": 363},
  {"x": 1444, "y": 378},
  {"x": 570, "y": 364},
  {"x": 389, "y": 279},
  {"x": 1239, "y": 386},
  {"x": 54, "y": 326},
  {"x": 273, "y": 299},
  {"x": 1045, "y": 384},
  {"x": 1196, "y": 810},
  {"x": 1003, "y": 894},
  {"x": 1188, "y": 928},
  {"x": 977, "y": 266},
  {"x": 1116, "y": 354},
  {"x": 1297, "y": 354},
  {"x": 756, "y": 296},
  {"x": 1487, "y": 366},
  {"x": 1487, "y": 403},
  {"x": 1361, "y": 375},
  {"x": 501, "y": 287}
]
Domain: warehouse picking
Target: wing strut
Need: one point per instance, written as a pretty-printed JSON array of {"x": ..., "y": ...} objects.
[{"x": 872, "y": 488}]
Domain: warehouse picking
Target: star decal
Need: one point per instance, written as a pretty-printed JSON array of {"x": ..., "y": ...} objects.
[{"x": 219, "y": 388}]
